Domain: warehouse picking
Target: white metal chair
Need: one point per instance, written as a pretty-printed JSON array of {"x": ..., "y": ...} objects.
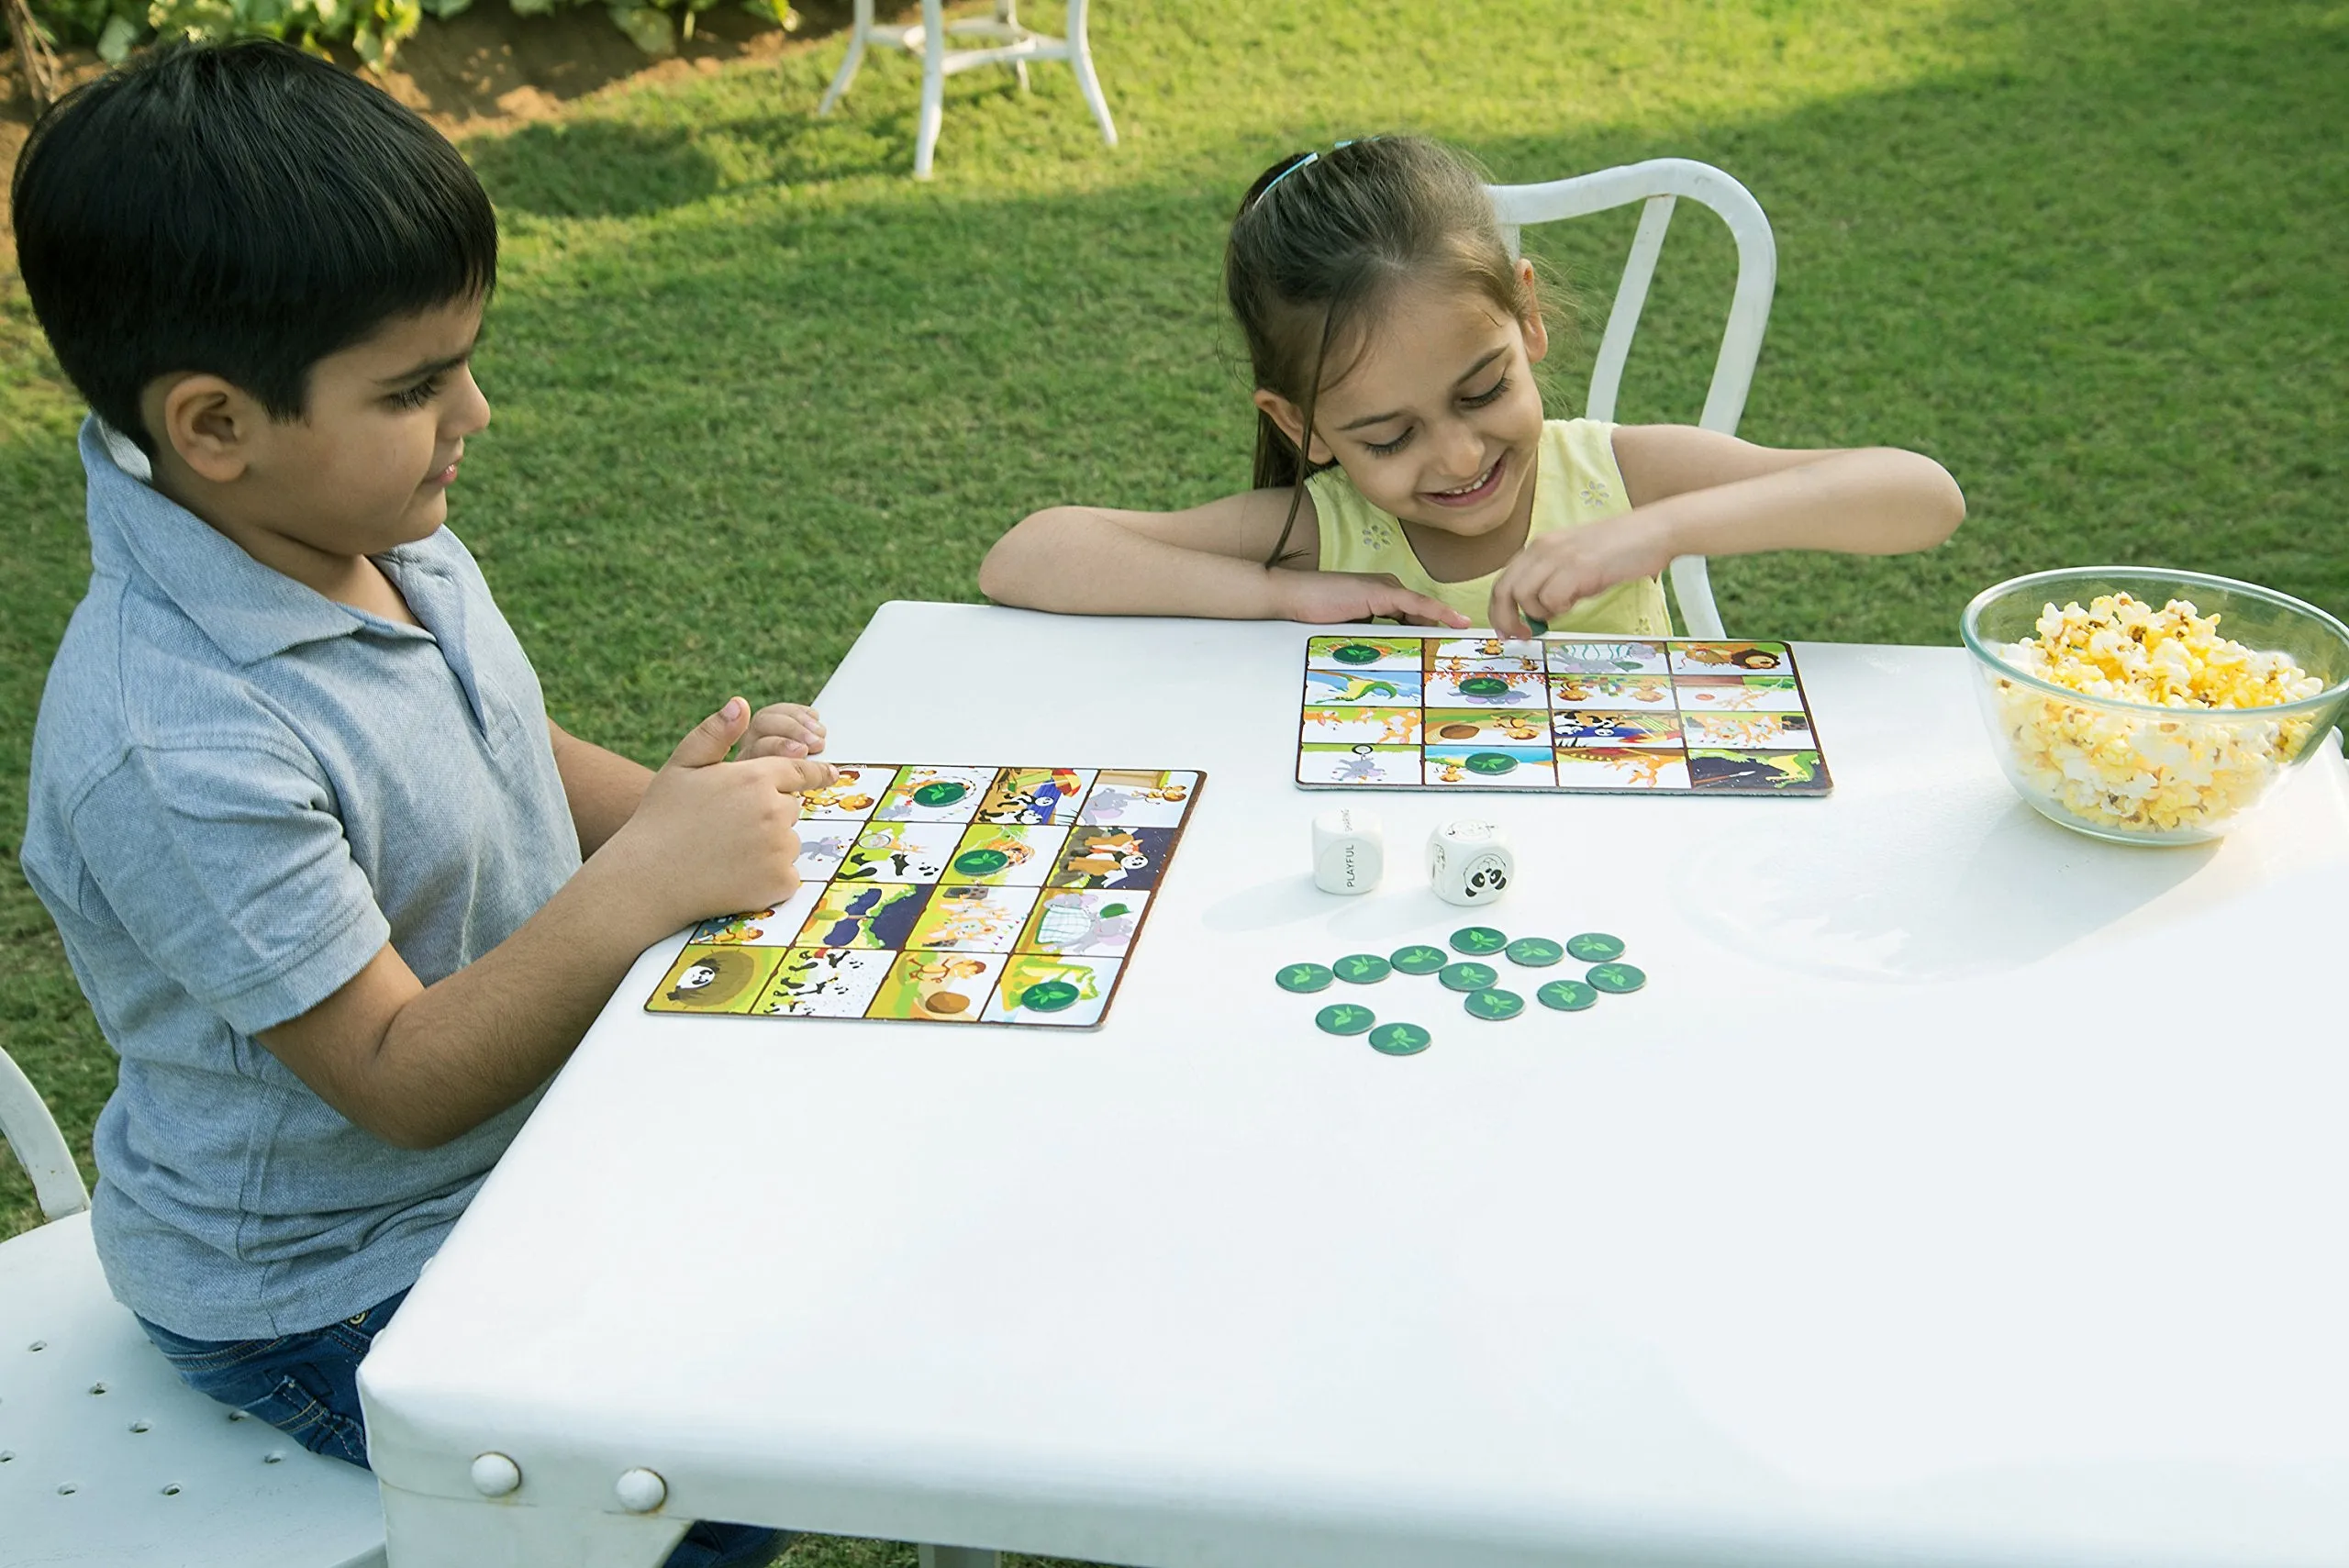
[
  {"x": 1660, "y": 182},
  {"x": 105, "y": 1456},
  {"x": 1014, "y": 45}
]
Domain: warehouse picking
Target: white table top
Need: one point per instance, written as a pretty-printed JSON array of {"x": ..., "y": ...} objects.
[{"x": 1959, "y": 1190}]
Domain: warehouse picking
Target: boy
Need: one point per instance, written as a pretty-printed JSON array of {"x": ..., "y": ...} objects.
[{"x": 314, "y": 847}]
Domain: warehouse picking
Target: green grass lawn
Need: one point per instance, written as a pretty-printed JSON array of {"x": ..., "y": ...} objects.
[{"x": 751, "y": 381}]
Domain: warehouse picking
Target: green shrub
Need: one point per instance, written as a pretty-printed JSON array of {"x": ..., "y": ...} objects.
[{"x": 373, "y": 28}]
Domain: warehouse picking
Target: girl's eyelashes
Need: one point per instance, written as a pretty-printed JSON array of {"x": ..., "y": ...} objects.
[
  {"x": 1484, "y": 399},
  {"x": 1490, "y": 395},
  {"x": 417, "y": 396}
]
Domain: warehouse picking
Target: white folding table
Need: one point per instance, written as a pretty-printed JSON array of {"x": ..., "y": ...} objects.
[{"x": 1959, "y": 1190}]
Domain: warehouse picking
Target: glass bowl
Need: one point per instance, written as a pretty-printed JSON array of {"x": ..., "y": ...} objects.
[{"x": 2139, "y": 773}]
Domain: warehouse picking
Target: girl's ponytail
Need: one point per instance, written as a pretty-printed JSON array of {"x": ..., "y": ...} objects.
[{"x": 1281, "y": 461}]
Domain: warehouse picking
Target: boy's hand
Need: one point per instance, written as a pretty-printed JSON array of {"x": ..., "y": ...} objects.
[
  {"x": 783, "y": 730},
  {"x": 1327, "y": 598},
  {"x": 1558, "y": 571},
  {"x": 713, "y": 837}
]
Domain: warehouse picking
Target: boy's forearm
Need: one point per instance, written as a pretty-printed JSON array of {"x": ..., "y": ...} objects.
[
  {"x": 1064, "y": 562},
  {"x": 466, "y": 1048},
  {"x": 603, "y": 788},
  {"x": 418, "y": 1065},
  {"x": 1873, "y": 501}
]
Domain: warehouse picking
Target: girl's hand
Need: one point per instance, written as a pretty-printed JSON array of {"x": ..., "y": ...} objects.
[
  {"x": 1329, "y": 598},
  {"x": 783, "y": 730},
  {"x": 1558, "y": 571}
]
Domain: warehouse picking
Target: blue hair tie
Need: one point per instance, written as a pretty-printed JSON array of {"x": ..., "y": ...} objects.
[{"x": 1308, "y": 158}]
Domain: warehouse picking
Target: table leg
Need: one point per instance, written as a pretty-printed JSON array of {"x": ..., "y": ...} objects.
[
  {"x": 933, "y": 85},
  {"x": 1007, "y": 16},
  {"x": 1080, "y": 59},
  {"x": 437, "y": 1533},
  {"x": 958, "y": 1557},
  {"x": 858, "y": 28}
]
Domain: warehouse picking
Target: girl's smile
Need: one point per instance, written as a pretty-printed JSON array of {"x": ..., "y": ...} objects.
[{"x": 1476, "y": 492}]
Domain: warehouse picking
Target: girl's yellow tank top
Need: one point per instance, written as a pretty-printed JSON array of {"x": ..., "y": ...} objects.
[{"x": 1575, "y": 482}]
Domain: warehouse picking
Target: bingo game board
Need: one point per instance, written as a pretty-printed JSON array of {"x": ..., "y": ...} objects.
[
  {"x": 1558, "y": 713},
  {"x": 950, "y": 894}
]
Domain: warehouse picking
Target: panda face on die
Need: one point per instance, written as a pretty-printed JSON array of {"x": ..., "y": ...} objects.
[
  {"x": 1484, "y": 877},
  {"x": 1470, "y": 863}
]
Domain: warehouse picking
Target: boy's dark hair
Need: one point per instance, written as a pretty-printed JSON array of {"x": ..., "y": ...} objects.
[
  {"x": 1318, "y": 241},
  {"x": 240, "y": 211}
]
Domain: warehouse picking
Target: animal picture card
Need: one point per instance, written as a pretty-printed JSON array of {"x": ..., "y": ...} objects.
[
  {"x": 1563, "y": 712},
  {"x": 950, "y": 894}
]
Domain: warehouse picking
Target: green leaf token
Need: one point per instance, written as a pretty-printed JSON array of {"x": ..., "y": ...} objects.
[
  {"x": 1535, "y": 953},
  {"x": 1566, "y": 996},
  {"x": 1344, "y": 1017},
  {"x": 1617, "y": 977},
  {"x": 1479, "y": 940},
  {"x": 1541, "y": 628},
  {"x": 944, "y": 792},
  {"x": 1361, "y": 968},
  {"x": 981, "y": 863},
  {"x": 1467, "y": 976},
  {"x": 1399, "y": 1039},
  {"x": 1354, "y": 653},
  {"x": 1048, "y": 996},
  {"x": 1595, "y": 947},
  {"x": 1303, "y": 977},
  {"x": 1418, "y": 959},
  {"x": 1492, "y": 764},
  {"x": 1485, "y": 687},
  {"x": 1493, "y": 1005}
]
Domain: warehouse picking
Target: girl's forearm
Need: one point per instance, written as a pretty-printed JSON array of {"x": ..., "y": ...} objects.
[
  {"x": 1074, "y": 560},
  {"x": 1871, "y": 501}
]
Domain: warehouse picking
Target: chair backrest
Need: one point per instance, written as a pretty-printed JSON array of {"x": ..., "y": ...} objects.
[
  {"x": 1660, "y": 182},
  {"x": 41, "y": 1147}
]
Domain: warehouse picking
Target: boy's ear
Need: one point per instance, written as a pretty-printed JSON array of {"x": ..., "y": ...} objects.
[
  {"x": 1292, "y": 423},
  {"x": 1537, "y": 330},
  {"x": 208, "y": 423}
]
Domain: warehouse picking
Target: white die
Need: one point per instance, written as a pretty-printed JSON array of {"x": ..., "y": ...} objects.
[
  {"x": 1470, "y": 863},
  {"x": 1349, "y": 850}
]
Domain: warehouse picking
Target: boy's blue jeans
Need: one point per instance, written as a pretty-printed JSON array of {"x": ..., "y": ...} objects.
[{"x": 306, "y": 1385}]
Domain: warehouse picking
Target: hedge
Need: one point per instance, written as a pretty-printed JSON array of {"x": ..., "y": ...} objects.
[{"x": 373, "y": 28}]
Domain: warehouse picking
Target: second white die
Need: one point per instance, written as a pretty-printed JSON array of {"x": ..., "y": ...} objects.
[{"x": 1470, "y": 863}]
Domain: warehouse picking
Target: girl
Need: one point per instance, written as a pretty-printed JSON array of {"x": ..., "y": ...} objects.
[{"x": 1404, "y": 469}]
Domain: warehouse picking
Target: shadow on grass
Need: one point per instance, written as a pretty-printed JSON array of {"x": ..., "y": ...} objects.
[
  {"x": 594, "y": 168},
  {"x": 604, "y": 166}
]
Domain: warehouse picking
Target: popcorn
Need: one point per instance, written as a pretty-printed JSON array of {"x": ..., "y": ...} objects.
[{"x": 2135, "y": 772}]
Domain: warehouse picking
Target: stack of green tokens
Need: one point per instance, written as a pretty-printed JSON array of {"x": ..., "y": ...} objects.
[{"x": 1477, "y": 982}]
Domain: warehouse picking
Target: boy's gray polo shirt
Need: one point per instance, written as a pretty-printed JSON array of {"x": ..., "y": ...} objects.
[{"x": 240, "y": 790}]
